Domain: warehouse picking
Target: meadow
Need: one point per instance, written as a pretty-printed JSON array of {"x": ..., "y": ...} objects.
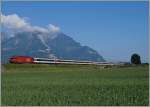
[{"x": 83, "y": 85}]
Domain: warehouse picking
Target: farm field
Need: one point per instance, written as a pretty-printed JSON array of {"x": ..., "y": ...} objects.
[{"x": 46, "y": 85}]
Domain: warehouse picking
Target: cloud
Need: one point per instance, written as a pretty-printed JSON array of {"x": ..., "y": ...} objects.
[
  {"x": 53, "y": 28},
  {"x": 37, "y": 28},
  {"x": 15, "y": 23}
]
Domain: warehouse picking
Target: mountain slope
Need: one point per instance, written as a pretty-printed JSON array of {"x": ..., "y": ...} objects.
[{"x": 65, "y": 47}]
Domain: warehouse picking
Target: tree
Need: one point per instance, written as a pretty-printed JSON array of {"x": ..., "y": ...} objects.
[{"x": 135, "y": 59}]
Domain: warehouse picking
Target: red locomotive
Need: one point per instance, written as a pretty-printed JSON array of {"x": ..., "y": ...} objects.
[{"x": 21, "y": 59}]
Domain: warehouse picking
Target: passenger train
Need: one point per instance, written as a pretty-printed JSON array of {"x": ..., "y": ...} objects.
[{"x": 31, "y": 60}]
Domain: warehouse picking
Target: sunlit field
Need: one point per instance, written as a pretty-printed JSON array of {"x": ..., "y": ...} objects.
[{"x": 46, "y": 85}]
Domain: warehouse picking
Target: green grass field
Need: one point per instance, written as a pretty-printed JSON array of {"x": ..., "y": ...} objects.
[{"x": 74, "y": 85}]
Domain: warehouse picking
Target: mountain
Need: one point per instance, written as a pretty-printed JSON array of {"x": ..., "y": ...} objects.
[{"x": 45, "y": 45}]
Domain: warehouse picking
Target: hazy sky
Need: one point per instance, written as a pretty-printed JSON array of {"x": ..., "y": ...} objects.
[{"x": 115, "y": 29}]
